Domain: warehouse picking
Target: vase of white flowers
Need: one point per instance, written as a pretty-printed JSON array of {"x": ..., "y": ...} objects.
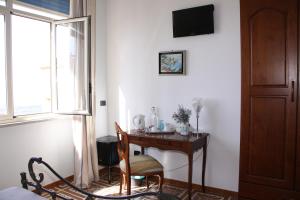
[
  {"x": 197, "y": 105},
  {"x": 182, "y": 117}
]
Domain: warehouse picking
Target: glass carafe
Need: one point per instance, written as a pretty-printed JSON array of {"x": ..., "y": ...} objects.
[{"x": 154, "y": 120}]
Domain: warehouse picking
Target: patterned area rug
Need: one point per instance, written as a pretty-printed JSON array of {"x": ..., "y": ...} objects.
[{"x": 103, "y": 188}]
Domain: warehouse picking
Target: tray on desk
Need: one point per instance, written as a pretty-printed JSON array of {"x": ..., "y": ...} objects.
[{"x": 160, "y": 132}]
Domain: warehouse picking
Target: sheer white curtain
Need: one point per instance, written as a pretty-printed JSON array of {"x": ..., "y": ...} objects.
[{"x": 84, "y": 139}]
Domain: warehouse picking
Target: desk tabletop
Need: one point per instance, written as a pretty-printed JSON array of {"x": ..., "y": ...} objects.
[{"x": 172, "y": 136}]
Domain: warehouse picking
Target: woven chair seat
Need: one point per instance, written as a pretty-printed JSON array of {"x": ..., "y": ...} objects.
[{"x": 142, "y": 164}]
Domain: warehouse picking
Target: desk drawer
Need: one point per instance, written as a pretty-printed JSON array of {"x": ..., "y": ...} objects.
[{"x": 160, "y": 143}]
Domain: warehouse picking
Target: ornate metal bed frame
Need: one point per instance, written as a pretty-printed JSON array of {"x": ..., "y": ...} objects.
[{"x": 39, "y": 188}]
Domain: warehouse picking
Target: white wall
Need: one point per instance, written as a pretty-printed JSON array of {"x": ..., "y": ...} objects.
[
  {"x": 136, "y": 31},
  {"x": 51, "y": 140},
  {"x": 101, "y": 112}
]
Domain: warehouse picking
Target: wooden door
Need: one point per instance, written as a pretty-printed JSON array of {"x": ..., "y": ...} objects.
[
  {"x": 298, "y": 116},
  {"x": 269, "y": 83}
]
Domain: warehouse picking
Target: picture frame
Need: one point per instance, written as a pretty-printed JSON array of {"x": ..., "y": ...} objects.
[{"x": 172, "y": 62}]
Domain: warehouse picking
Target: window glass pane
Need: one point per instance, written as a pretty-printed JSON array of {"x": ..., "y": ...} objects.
[
  {"x": 60, "y": 6},
  {"x": 72, "y": 67},
  {"x": 38, "y": 11},
  {"x": 3, "y": 101},
  {"x": 31, "y": 66},
  {"x": 2, "y": 2}
]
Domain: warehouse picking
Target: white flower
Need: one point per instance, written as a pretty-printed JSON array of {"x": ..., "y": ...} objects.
[{"x": 197, "y": 104}]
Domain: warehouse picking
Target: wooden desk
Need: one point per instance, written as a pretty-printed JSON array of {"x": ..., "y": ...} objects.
[{"x": 174, "y": 141}]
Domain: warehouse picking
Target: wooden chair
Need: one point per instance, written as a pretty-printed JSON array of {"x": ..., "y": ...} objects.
[{"x": 141, "y": 165}]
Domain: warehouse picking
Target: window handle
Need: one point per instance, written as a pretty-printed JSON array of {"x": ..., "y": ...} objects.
[{"x": 293, "y": 91}]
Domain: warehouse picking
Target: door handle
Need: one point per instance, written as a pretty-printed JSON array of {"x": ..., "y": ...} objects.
[{"x": 293, "y": 91}]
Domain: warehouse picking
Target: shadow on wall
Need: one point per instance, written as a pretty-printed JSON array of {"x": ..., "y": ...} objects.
[{"x": 208, "y": 116}]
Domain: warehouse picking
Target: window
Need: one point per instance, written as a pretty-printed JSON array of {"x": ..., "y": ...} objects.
[{"x": 44, "y": 64}]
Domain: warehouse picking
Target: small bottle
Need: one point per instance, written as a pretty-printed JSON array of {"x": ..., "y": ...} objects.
[{"x": 161, "y": 125}]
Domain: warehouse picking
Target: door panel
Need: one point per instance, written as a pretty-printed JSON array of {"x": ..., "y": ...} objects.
[
  {"x": 267, "y": 121},
  {"x": 269, "y": 66}
]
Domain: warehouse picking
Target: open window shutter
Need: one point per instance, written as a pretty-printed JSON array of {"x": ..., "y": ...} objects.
[{"x": 71, "y": 66}]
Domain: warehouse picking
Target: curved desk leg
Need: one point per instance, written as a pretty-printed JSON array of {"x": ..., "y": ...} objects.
[
  {"x": 190, "y": 155},
  {"x": 204, "y": 165}
]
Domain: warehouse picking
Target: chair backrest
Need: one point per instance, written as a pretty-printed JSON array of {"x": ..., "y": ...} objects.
[{"x": 123, "y": 146}]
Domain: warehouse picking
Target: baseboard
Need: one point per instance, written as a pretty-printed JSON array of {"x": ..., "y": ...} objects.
[
  {"x": 56, "y": 183},
  {"x": 112, "y": 169},
  {"x": 71, "y": 178},
  {"x": 59, "y": 182},
  {"x": 212, "y": 190}
]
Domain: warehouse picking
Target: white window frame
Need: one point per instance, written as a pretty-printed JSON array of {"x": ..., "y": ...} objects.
[
  {"x": 7, "y": 11},
  {"x": 9, "y": 96}
]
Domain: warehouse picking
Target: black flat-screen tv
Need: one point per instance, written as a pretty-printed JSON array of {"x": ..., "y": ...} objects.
[{"x": 193, "y": 21}]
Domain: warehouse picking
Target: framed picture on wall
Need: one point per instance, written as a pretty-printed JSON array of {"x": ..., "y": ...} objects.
[{"x": 172, "y": 62}]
